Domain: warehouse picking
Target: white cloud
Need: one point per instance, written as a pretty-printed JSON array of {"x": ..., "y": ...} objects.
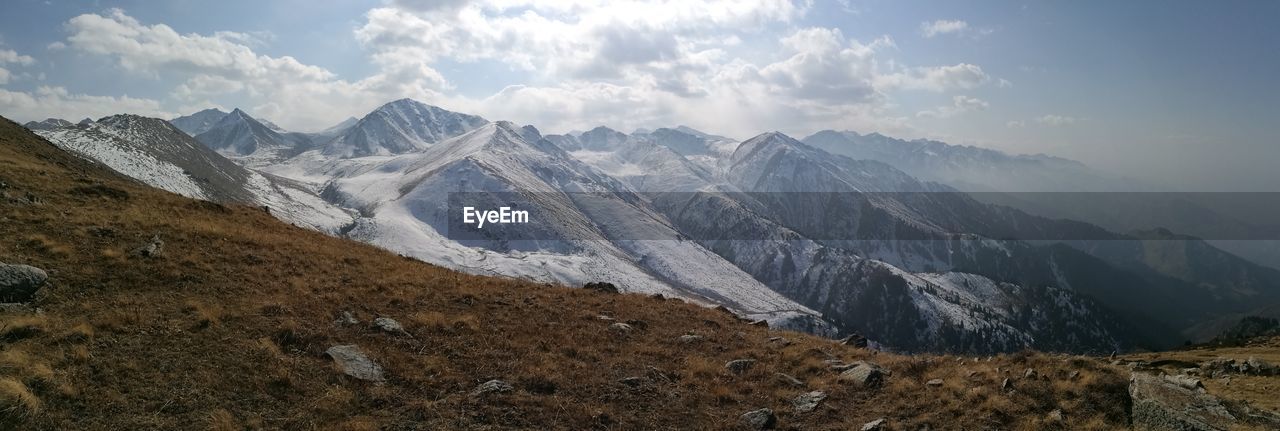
[
  {"x": 943, "y": 26},
  {"x": 625, "y": 64},
  {"x": 963, "y": 76},
  {"x": 12, "y": 57},
  {"x": 959, "y": 105},
  {"x": 4, "y": 76},
  {"x": 46, "y": 102},
  {"x": 1015, "y": 124},
  {"x": 282, "y": 88},
  {"x": 1056, "y": 120}
]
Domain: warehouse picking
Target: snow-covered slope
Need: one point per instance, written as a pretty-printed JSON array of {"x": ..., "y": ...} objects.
[
  {"x": 576, "y": 212},
  {"x": 238, "y": 135},
  {"x": 157, "y": 153},
  {"x": 399, "y": 127}
]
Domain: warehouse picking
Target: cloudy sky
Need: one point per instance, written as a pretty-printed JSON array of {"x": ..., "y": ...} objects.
[{"x": 1181, "y": 93}]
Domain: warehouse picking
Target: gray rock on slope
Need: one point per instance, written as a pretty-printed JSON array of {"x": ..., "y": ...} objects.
[
  {"x": 1161, "y": 405},
  {"x": 808, "y": 401},
  {"x": 19, "y": 283},
  {"x": 353, "y": 362},
  {"x": 762, "y": 419},
  {"x": 863, "y": 373}
]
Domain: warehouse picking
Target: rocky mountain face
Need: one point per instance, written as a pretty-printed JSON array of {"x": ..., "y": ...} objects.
[
  {"x": 199, "y": 122},
  {"x": 239, "y": 135},
  {"x": 399, "y": 127},
  {"x": 155, "y": 152},
  {"x": 47, "y": 124}
]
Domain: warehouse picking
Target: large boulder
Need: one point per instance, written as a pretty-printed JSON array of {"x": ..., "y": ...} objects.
[
  {"x": 19, "y": 283},
  {"x": 1162, "y": 405},
  {"x": 863, "y": 373},
  {"x": 353, "y": 362}
]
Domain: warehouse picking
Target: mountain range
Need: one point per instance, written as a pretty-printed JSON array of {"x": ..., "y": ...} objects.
[{"x": 834, "y": 234}]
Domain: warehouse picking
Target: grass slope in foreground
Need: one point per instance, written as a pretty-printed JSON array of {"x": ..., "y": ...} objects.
[{"x": 227, "y": 329}]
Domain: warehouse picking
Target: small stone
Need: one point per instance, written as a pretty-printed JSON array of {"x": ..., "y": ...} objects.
[
  {"x": 739, "y": 366},
  {"x": 620, "y": 328},
  {"x": 1055, "y": 415},
  {"x": 689, "y": 339},
  {"x": 389, "y": 325},
  {"x": 602, "y": 287},
  {"x": 762, "y": 419},
  {"x": 491, "y": 387},
  {"x": 1073, "y": 374},
  {"x": 353, "y": 362},
  {"x": 1006, "y": 384},
  {"x": 789, "y": 380},
  {"x": 633, "y": 381},
  {"x": 1030, "y": 374},
  {"x": 19, "y": 283},
  {"x": 153, "y": 248},
  {"x": 875, "y": 425},
  {"x": 779, "y": 341},
  {"x": 934, "y": 383},
  {"x": 345, "y": 318},
  {"x": 807, "y": 402}
]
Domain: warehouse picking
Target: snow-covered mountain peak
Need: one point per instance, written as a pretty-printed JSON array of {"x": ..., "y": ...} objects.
[
  {"x": 602, "y": 139},
  {"x": 401, "y": 126}
]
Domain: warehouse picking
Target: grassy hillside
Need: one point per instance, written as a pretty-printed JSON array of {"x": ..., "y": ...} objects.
[{"x": 227, "y": 329}]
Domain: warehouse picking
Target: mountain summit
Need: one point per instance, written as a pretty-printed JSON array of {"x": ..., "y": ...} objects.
[{"x": 401, "y": 126}]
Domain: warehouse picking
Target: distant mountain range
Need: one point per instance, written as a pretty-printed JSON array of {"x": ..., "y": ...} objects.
[{"x": 838, "y": 233}]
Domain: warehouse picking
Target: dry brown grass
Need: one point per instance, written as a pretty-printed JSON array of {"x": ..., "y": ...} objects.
[{"x": 228, "y": 330}]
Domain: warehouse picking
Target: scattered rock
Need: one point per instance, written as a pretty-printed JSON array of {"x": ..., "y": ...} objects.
[
  {"x": 934, "y": 383},
  {"x": 1030, "y": 374},
  {"x": 864, "y": 374},
  {"x": 602, "y": 287},
  {"x": 854, "y": 340},
  {"x": 739, "y": 366},
  {"x": 620, "y": 328},
  {"x": 634, "y": 382},
  {"x": 806, "y": 402},
  {"x": 491, "y": 387},
  {"x": 1161, "y": 405},
  {"x": 876, "y": 425},
  {"x": 345, "y": 318},
  {"x": 1185, "y": 381},
  {"x": 1055, "y": 416},
  {"x": 1073, "y": 374},
  {"x": 19, "y": 283},
  {"x": 1006, "y": 384},
  {"x": 353, "y": 362},
  {"x": 153, "y": 248},
  {"x": 789, "y": 380},
  {"x": 638, "y": 324},
  {"x": 762, "y": 419},
  {"x": 761, "y": 323},
  {"x": 779, "y": 341},
  {"x": 389, "y": 325},
  {"x": 1260, "y": 367},
  {"x": 689, "y": 339}
]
